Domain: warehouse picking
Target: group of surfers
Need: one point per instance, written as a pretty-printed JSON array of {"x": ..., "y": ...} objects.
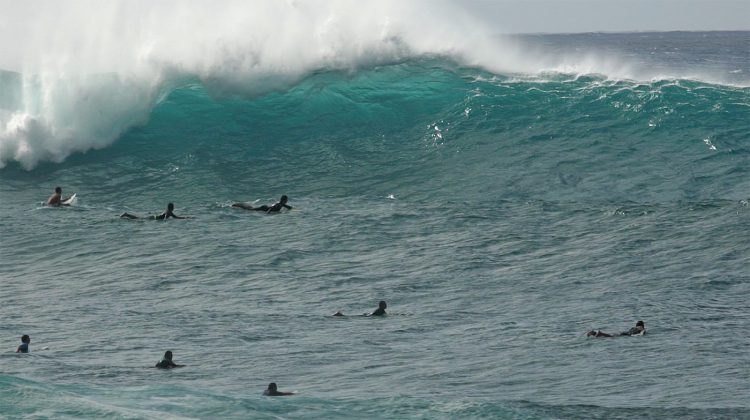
[
  {"x": 166, "y": 362},
  {"x": 56, "y": 200}
]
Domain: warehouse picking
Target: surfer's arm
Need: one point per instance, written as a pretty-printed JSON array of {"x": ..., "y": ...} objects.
[{"x": 287, "y": 206}]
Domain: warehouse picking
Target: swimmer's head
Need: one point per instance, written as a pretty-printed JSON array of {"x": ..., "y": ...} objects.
[
  {"x": 591, "y": 333},
  {"x": 58, "y": 190},
  {"x": 25, "y": 339},
  {"x": 170, "y": 206},
  {"x": 640, "y": 324},
  {"x": 283, "y": 199},
  {"x": 382, "y": 305},
  {"x": 168, "y": 355},
  {"x": 272, "y": 387}
]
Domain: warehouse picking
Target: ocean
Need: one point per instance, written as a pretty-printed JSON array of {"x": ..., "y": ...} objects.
[{"x": 501, "y": 210}]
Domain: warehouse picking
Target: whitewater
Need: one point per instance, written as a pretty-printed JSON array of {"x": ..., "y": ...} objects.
[{"x": 504, "y": 195}]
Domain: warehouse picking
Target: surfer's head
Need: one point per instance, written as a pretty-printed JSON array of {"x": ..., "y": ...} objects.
[
  {"x": 382, "y": 305},
  {"x": 283, "y": 199},
  {"x": 25, "y": 339},
  {"x": 640, "y": 325},
  {"x": 58, "y": 190},
  {"x": 170, "y": 206},
  {"x": 272, "y": 387},
  {"x": 168, "y": 355}
]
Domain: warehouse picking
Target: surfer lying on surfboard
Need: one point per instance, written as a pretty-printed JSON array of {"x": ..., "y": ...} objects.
[
  {"x": 639, "y": 329},
  {"x": 272, "y": 209},
  {"x": 169, "y": 212},
  {"x": 56, "y": 198},
  {"x": 378, "y": 312}
]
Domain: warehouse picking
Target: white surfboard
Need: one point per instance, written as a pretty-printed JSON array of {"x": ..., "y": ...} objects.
[{"x": 70, "y": 201}]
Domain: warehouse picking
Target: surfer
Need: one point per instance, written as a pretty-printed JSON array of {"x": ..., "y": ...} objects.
[
  {"x": 639, "y": 329},
  {"x": 377, "y": 312},
  {"x": 273, "y": 391},
  {"x": 272, "y": 209},
  {"x": 381, "y": 309},
  {"x": 169, "y": 212},
  {"x": 24, "y": 346},
  {"x": 166, "y": 362},
  {"x": 56, "y": 198}
]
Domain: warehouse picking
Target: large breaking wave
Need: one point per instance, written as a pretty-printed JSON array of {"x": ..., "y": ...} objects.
[{"x": 76, "y": 75}]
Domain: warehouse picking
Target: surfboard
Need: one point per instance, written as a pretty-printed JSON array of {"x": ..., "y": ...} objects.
[{"x": 70, "y": 201}]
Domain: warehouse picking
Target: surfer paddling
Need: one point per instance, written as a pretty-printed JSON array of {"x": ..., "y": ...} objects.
[
  {"x": 56, "y": 200},
  {"x": 273, "y": 391},
  {"x": 377, "y": 312},
  {"x": 639, "y": 329},
  {"x": 166, "y": 362},
  {"x": 268, "y": 209},
  {"x": 169, "y": 212}
]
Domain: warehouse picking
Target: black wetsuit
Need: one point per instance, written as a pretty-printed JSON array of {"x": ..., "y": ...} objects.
[
  {"x": 268, "y": 209},
  {"x": 634, "y": 331},
  {"x": 277, "y": 207},
  {"x": 166, "y": 364},
  {"x": 163, "y": 216},
  {"x": 166, "y": 215},
  {"x": 273, "y": 209},
  {"x": 378, "y": 312}
]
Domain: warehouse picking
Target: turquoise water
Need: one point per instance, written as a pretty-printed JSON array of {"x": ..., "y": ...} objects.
[{"x": 500, "y": 215}]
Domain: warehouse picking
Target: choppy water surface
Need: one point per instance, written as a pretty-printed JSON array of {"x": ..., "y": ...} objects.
[{"x": 501, "y": 216}]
